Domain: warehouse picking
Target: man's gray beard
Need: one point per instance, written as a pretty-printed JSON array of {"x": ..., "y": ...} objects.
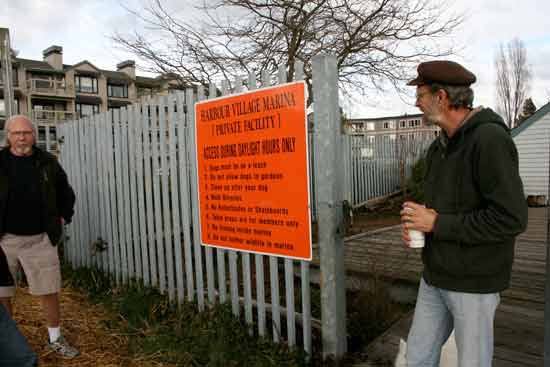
[
  {"x": 428, "y": 122},
  {"x": 26, "y": 150}
]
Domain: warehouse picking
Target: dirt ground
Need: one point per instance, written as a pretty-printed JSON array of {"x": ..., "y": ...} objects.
[{"x": 84, "y": 325}]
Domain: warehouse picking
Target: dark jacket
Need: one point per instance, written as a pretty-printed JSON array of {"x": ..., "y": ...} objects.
[
  {"x": 57, "y": 195},
  {"x": 472, "y": 181}
]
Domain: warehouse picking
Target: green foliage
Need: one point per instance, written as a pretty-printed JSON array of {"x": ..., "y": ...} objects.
[
  {"x": 370, "y": 313},
  {"x": 179, "y": 333},
  {"x": 415, "y": 184},
  {"x": 529, "y": 109}
]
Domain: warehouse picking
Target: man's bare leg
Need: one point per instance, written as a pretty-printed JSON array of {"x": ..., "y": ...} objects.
[{"x": 50, "y": 307}]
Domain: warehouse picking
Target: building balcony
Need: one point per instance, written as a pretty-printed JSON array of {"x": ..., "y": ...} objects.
[
  {"x": 44, "y": 117},
  {"x": 49, "y": 87}
]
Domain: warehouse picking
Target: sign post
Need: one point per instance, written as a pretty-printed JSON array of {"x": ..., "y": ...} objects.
[
  {"x": 253, "y": 172},
  {"x": 329, "y": 179}
]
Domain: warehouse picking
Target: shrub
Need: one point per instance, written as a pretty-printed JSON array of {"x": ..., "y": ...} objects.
[
  {"x": 415, "y": 184},
  {"x": 162, "y": 331}
]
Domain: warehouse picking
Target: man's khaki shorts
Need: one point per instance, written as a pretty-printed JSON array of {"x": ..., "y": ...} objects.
[{"x": 39, "y": 260}]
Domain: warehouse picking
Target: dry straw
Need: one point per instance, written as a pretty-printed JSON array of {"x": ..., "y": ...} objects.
[{"x": 85, "y": 325}]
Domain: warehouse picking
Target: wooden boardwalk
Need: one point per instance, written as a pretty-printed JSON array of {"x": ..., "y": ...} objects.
[{"x": 519, "y": 323}]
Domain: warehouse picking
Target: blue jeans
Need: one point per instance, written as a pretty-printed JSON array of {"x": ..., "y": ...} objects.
[
  {"x": 14, "y": 349},
  {"x": 437, "y": 312}
]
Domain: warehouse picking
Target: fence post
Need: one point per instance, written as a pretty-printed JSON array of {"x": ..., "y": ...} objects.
[{"x": 329, "y": 194}]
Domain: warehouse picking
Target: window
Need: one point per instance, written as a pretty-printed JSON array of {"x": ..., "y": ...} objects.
[
  {"x": 3, "y": 107},
  {"x": 48, "y": 82},
  {"x": 402, "y": 123},
  {"x": 42, "y": 110},
  {"x": 85, "y": 84},
  {"x": 117, "y": 91},
  {"x": 83, "y": 110}
]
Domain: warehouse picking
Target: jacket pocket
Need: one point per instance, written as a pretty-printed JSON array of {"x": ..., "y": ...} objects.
[{"x": 487, "y": 260}]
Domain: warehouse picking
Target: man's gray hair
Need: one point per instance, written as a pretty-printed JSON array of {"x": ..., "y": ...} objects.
[
  {"x": 459, "y": 95},
  {"x": 10, "y": 121}
]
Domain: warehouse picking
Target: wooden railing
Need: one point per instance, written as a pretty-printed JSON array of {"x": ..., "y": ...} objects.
[
  {"x": 49, "y": 86},
  {"x": 51, "y": 117}
]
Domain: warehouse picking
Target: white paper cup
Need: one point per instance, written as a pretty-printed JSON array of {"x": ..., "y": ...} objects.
[{"x": 417, "y": 238}]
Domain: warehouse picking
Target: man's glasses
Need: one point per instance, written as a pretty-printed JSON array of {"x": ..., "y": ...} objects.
[
  {"x": 421, "y": 94},
  {"x": 24, "y": 133}
]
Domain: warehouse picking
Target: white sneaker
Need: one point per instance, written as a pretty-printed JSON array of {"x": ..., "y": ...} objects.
[{"x": 63, "y": 348}]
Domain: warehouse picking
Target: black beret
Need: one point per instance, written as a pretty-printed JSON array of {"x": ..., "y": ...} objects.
[{"x": 443, "y": 72}]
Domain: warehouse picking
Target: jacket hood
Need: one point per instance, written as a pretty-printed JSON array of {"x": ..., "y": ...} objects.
[{"x": 483, "y": 116}]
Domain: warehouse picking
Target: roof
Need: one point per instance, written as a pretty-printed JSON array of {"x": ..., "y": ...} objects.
[
  {"x": 540, "y": 113},
  {"x": 39, "y": 66},
  {"x": 113, "y": 76},
  {"x": 83, "y": 62},
  {"x": 373, "y": 119},
  {"x": 36, "y": 65},
  {"x": 116, "y": 76},
  {"x": 149, "y": 82}
]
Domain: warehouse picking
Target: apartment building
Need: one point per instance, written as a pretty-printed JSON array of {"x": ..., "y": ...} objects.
[
  {"x": 385, "y": 125},
  {"x": 51, "y": 92}
]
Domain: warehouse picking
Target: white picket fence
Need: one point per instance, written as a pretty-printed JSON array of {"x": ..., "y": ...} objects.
[{"x": 136, "y": 218}]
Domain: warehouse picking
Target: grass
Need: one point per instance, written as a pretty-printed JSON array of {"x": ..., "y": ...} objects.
[
  {"x": 182, "y": 335},
  {"x": 179, "y": 335}
]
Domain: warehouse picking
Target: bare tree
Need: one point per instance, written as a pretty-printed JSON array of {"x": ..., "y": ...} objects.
[
  {"x": 375, "y": 41},
  {"x": 512, "y": 81}
]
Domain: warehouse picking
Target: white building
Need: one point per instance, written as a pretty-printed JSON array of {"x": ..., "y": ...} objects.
[{"x": 532, "y": 139}]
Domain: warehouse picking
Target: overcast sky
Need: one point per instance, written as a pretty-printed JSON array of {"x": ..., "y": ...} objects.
[{"x": 82, "y": 28}]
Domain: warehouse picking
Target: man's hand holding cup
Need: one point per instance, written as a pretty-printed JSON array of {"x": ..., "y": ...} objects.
[{"x": 416, "y": 220}]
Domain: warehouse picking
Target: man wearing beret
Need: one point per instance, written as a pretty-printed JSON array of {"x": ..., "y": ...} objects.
[
  {"x": 474, "y": 208},
  {"x": 14, "y": 349}
]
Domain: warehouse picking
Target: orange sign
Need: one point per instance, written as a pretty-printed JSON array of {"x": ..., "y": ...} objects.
[{"x": 253, "y": 176}]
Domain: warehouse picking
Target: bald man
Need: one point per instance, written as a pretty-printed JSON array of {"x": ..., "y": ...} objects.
[{"x": 35, "y": 200}]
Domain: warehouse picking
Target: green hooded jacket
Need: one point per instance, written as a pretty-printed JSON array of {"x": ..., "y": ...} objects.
[{"x": 472, "y": 181}]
